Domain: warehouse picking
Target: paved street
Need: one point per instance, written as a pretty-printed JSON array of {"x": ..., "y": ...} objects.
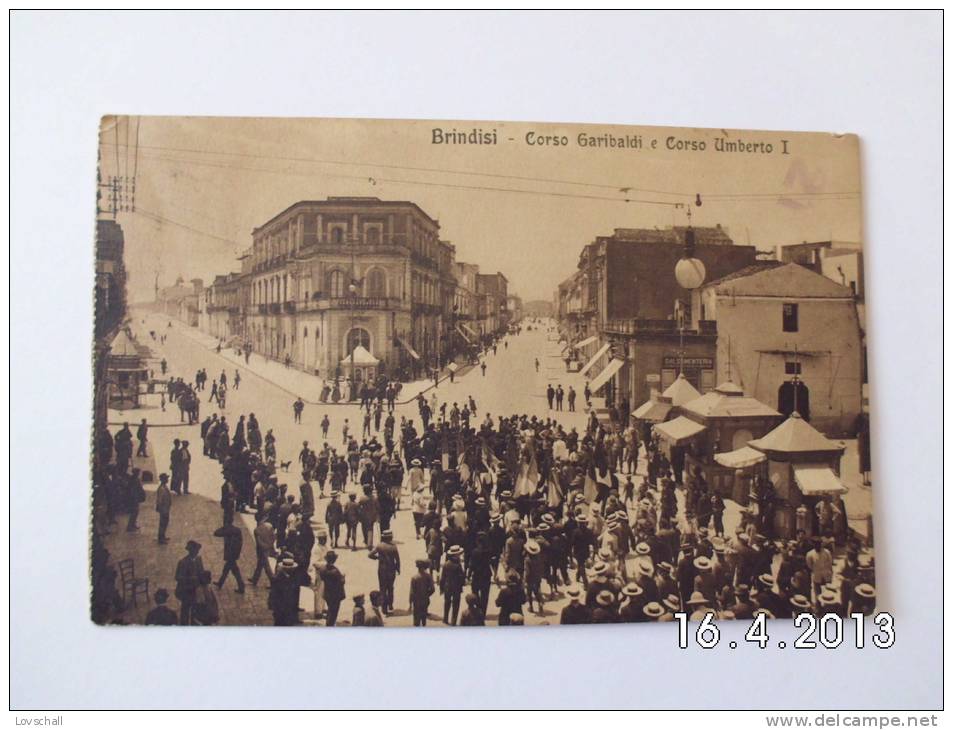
[{"x": 511, "y": 385}]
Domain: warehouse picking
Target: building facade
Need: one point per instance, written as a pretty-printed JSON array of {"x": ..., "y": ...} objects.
[
  {"x": 632, "y": 320},
  {"x": 791, "y": 338},
  {"x": 326, "y": 276}
]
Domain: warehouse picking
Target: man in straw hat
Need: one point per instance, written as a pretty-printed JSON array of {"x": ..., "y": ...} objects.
[
  {"x": 452, "y": 581},
  {"x": 575, "y": 612},
  {"x": 283, "y": 594}
]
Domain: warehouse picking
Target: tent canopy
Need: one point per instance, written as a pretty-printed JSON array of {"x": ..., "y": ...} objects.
[
  {"x": 606, "y": 375},
  {"x": 681, "y": 391},
  {"x": 817, "y": 479},
  {"x": 654, "y": 411},
  {"x": 740, "y": 458},
  {"x": 679, "y": 430},
  {"x": 592, "y": 361},
  {"x": 361, "y": 357},
  {"x": 123, "y": 346},
  {"x": 795, "y": 436},
  {"x": 587, "y": 341},
  {"x": 728, "y": 401}
]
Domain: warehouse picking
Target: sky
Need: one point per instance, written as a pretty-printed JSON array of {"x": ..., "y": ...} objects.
[{"x": 204, "y": 183}]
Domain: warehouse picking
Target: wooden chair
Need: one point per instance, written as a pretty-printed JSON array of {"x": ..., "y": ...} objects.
[{"x": 131, "y": 585}]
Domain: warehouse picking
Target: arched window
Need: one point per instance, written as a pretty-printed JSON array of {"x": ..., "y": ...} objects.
[
  {"x": 355, "y": 337},
  {"x": 337, "y": 284},
  {"x": 376, "y": 283}
]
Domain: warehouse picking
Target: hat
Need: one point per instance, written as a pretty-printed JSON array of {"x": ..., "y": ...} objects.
[
  {"x": 665, "y": 566},
  {"x": 632, "y": 589},
  {"x": 192, "y": 545},
  {"x": 643, "y": 548},
  {"x": 512, "y": 576},
  {"x": 827, "y": 597},
  {"x": 743, "y": 536},
  {"x": 671, "y": 602},
  {"x": 573, "y": 591},
  {"x": 543, "y": 527},
  {"x": 288, "y": 564},
  {"x": 506, "y": 494},
  {"x": 799, "y": 601},
  {"x": 645, "y": 567},
  {"x": 599, "y": 568},
  {"x": 415, "y": 462},
  {"x": 516, "y": 619},
  {"x": 480, "y": 501},
  {"x": 605, "y": 598},
  {"x": 387, "y": 533},
  {"x": 454, "y": 551},
  {"x": 653, "y": 609},
  {"x": 548, "y": 518},
  {"x": 767, "y": 580},
  {"x": 532, "y": 547},
  {"x": 765, "y": 612},
  {"x": 865, "y": 590},
  {"x": 335, "y": 493},
  {"x": 697, "y": 599},
  {"x": 421, "y": 563},
  {"x": 702, "y": 563},
  {"x": 742, "y": 590}
]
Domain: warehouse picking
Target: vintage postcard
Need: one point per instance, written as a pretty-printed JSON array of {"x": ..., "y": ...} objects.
[{"x": 412, "y": 373}]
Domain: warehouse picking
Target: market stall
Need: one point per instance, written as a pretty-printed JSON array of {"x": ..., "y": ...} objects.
[{"x": 804, "y": 467}]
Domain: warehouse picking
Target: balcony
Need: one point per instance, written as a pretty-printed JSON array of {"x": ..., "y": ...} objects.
[
  {"x": 274, "y": 308},
  {"x": 319, "y": 302},
  {"x": 289, "y": 307},
  {"x": 656, "y": 326}
]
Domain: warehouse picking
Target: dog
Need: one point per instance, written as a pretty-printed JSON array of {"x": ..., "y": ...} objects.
[{"x": 285, "y": 465}]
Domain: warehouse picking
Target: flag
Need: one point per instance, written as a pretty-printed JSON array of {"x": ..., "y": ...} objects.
[
  {"x": 555, "y": 493},
  {"x": 528, "y": 478}
]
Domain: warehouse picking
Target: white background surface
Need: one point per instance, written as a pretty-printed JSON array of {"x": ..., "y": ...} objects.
[{"x": 876, "y": 75}]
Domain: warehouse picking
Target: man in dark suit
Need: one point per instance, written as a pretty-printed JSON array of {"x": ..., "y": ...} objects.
[
  {"x": 333, "y": 580},
  {"x": 421, "y": 588},
  {"x": 388, "y": 568},
  {"x": 187, "y": 575},
  {"x": 233, "y": 551}
]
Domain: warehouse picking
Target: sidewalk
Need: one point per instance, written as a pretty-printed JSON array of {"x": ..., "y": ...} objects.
[
  {"x": 193, "y": 517},
  {"x": 297, "y": 382}
]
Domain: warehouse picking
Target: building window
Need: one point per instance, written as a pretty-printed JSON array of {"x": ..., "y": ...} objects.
[
  {"x": 373, "y": 236},
  {"x": 356, "y": 337},
  {"x": 337, "y": 235},
  {"x": 376, "y": 283},
  {"x": 305, "y": 331},
  {"x": 336, "y": 284},
  {"x": 789, "y": 318},
  {"x": 792, "y": 368}
]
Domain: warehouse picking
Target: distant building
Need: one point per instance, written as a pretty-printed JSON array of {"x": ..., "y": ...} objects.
[
  {"x": 789, "y": 337},
  {"x": 110, "y": 313},
  {"x": 514, "y": 308},
  {"x": 494, "y": 317},
  {"x": 181, "y": 301},
  {"x": 538, "y": 308}
]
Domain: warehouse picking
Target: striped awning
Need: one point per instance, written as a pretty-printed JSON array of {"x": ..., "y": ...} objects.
[
  {"x": 606, "y": 375},
  {"x": 588, "y": 366},
  {"x": 411, "y": 350}
]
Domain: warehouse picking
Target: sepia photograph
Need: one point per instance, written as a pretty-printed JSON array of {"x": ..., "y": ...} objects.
[
  {"x": 432, "y": 374},
  {"x": 619, "y": 329}
]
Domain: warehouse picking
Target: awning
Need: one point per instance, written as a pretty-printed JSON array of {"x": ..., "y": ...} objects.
[
  {"x": 588, "y": 366},
  {"x": 464, "y": 335},
  {"x": 817, "y": 479},
  {"x": 468, "y": 329},
  {"x": 678, "y": 431},
  {"x": 740, "y": 458},
  {"x": 587, "y": 341},
  {"x": 606, "y": 375},
  {"x": 653, "y": 411},
  {"x": 413, "y": 353}
]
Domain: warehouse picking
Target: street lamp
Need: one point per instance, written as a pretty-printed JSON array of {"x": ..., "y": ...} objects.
[{"x": 689, "y": 271}]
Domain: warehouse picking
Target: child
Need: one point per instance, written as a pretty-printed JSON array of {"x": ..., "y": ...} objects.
[{"x": 357, "y": 618}]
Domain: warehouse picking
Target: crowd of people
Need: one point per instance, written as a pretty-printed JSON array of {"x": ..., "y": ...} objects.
[{"x": 510, "y": 515}]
